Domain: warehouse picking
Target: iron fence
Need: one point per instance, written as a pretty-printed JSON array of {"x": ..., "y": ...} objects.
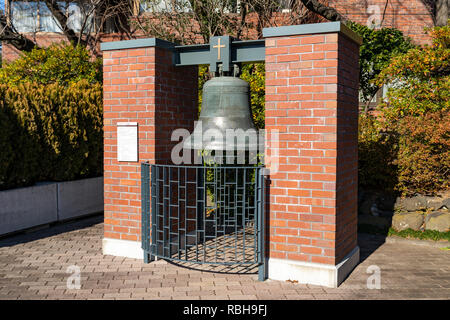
[{"x": 203, "y": 214}]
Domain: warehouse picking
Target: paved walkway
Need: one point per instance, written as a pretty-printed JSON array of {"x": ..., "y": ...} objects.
[{"x": 34, "y": 266}]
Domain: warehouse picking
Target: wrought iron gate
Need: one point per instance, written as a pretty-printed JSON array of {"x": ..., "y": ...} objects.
[{"x": 202, "y": 214}]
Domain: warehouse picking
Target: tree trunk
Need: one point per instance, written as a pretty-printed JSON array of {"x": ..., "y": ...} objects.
[
  {"x": 442, "y": 12},
  {"x": 9, "y": 35},
  {"x": 323, "y": 10},
  {"x": 62, "y": 19}
]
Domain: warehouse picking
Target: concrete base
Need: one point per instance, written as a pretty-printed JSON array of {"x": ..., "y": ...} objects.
[
  {"x": 133, "y": 249},
  {"x": 313, "y": 273},
  {"x": 123, "y": 248}
]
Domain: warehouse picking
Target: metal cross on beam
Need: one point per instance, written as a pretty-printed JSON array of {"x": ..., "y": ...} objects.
[
  {"x": 216, "y": 57},
  {"x": 219, "y": 46}
]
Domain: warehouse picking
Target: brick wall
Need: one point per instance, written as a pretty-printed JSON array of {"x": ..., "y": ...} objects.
[
  {"x": 311, "y": 98},
  {"x": 410, "y": 17},
  {"x": 347, "y": 147},
  {"x": 141, "y": 85},
  {"x": 43, "y": 39}
]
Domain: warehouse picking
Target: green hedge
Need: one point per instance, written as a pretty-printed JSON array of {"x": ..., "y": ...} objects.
[
  {"x": 410, "y": 155},
  {"x": 378, "y": 48},
  {"x": 50, "y": 132}
]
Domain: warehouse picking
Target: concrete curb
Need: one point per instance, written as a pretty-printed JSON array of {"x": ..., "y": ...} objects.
[{"x": 417, "y": 242}]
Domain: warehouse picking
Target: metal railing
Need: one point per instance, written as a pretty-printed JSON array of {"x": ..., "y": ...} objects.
[{"x": 203, "y": 214}]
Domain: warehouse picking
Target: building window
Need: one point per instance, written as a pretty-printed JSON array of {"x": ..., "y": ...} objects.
[
  {"x": 47, "y": 23},
  {"x": 79, "y": 14},
  {"x": 229, "y": 6},
  {"x": 35, "y": 16},
  {"x": 164, "y": 6},
  {"x": 24, "y": 16}
]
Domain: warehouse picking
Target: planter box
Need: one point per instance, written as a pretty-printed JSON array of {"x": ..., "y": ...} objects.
[
  {"x": 29, "y": 207},
  {"x": 79, "y": 198}
]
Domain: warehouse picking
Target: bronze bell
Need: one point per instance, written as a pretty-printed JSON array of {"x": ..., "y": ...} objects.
[{"x": 225, "y": 105}]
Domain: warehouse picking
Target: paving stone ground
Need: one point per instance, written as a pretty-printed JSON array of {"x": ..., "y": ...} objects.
[{"x": 35, "y": 265}]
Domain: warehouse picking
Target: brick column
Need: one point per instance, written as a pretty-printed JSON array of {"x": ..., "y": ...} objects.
[
  {"x": 140, "y": 85},
  {"x": 312, "y": 99}
]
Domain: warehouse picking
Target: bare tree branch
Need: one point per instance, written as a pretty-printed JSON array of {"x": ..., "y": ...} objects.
[
  {"x": 243, "y": 16},
  {"x": 90, "y": 12},
  {"x": 439, "y": 10},
  {"x": 442, "y": 11},
  {"x": 328, "y": 13},
  {"x": 185, "y": 21},
  {"x": 11, "y": 36},
  {"x": 384, "y": 13},
  {"x": 62, "y": 20}
]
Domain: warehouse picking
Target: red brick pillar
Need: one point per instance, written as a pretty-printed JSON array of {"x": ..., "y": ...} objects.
[
  {"x": 312, "y": 99},
  {"x": 141, "y": 86}
]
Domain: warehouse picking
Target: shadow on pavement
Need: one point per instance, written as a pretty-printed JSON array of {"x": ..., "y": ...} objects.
[
  {"x": 51, "y": 230},
  {"x": 368, "y": 244}
]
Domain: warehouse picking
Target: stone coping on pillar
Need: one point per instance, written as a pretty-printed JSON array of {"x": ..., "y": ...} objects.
[
  {"x": 313, "y": 28},
  {"x": 136, "y": 43}
]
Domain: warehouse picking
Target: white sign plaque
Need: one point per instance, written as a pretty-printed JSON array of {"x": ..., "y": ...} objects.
[{"x": 127, "y": 141}]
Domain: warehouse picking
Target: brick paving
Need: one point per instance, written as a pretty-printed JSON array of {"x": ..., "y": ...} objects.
[{"x": 34, "y": 265}]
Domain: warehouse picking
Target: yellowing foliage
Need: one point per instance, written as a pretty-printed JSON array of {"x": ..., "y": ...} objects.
[
  {"x": 59, "y": 63},
  {"x": 50, "y": 133},
  {"x": 412, "y": 149}
]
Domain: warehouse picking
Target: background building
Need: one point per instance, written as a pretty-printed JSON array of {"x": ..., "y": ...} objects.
[{"x": 35, "y": 20}]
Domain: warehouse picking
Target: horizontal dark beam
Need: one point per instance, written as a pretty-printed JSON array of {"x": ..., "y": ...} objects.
[
  {"x": 248, "y": 51},
  {"x": 191, "y": 55},
  {"x": 241, "y": 51}
]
